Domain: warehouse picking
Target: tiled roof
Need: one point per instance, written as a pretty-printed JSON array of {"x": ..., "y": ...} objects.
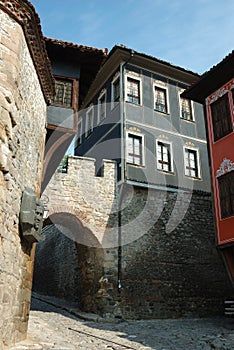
[
  {"x": 24, "y": 13},
  {"x": 81, "y": 48},
  {"x": 123, "y": 47}
]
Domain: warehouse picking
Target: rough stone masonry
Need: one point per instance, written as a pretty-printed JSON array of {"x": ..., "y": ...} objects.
[
  {"x": 22, "y": 137},
  {"x": 155, "y": 273}
]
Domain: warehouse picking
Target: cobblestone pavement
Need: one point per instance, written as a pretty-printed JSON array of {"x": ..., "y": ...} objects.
[{"x": 53, "y": 328}]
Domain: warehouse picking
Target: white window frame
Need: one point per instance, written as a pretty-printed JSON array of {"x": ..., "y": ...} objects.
[
  {"x": 89, "y": 110},
  {"x": 79, "y": 132},
  {"x": 142, "y": 136},
  {"x": 198, "y": 161},
  {"x": 192, "y": 108},
  {"x": 103, "y": 93},
  {"x": 171, "y": 155},
  {"x": 139, "y": 79},
  {"x": 113, "y": 103},
  {"x": 162, "y": 87}
]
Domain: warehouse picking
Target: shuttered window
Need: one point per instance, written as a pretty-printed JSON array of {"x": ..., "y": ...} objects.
[
  {"x": 63, "y": 92},
  {"x": 226, "y": 194},
  {"x": 221, "y": 117}
]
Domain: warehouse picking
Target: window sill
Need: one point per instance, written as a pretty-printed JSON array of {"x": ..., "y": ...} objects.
[
  {"x": 164, "y": 113},
  {"x": 166, "y": 172},
  {"x": 194, "y": 178},
  {"x": 136, "y": 165},
  {"x": 223, "y": 137},
  {"x": 187, "y": 120},
  {"x": 134, "y": 104}
]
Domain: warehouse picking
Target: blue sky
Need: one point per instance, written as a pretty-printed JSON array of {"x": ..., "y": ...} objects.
[{"x": 194, "y": 34}]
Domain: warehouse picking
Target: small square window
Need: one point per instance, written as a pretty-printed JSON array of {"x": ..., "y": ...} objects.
[
  {"x": 164, "y": 157},
  {"x": 135, "y": 149},
  {"x": 63, "y": 92},
  {"x": 133, "y": 90},
  {"x": 191, "y": 163},
  {"x": 160, "y": 100},
  {"x": 186, "y": 109}
]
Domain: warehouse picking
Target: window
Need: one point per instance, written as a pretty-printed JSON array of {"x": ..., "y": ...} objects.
[
  {"x": 102, "y": 107},
  {"x": 191, "y": 162},
  {"x": 221, "y": 117},
  {"x": 115, "y": 92},
  {"x": 226, "y": 194},
  {"x": 63, "y": 92},
  {"x": 89, "y": 121},
  {"x": 164, "y": 158},
  {"x": 160, "y": 99},
  {"x": 135, "y": 148},
  {"x": 133, "y": 90},
  {"x": 186, "y": 109},
  {"x": 79, "y": 133}
]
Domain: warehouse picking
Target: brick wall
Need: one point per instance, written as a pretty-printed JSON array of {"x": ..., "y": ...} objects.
[
  {"x": 22, "y": 134},
  {"x": 166, "y": 271}
]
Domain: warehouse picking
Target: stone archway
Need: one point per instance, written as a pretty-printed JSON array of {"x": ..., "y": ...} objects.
[{"x": 69, "y": 262}]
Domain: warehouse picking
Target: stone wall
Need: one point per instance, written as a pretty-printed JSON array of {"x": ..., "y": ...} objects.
[
  {"x": 55, "y": 276},
  {"x": 159, "y": 271},
  {"x": 22, "y": 134},
  {"x": 80, "y": 206},
  {"x": 172, "y": 273}
]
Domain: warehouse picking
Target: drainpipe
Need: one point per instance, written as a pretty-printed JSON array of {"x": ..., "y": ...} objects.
[
  {"x": 120, "y": 239},
  {"x": 122, "y": 133}
]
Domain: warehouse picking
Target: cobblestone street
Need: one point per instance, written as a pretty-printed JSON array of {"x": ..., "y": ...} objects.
[{"x": 52, "y": 327}]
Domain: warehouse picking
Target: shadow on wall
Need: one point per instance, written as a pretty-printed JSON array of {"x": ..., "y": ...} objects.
[{"x": 64, "y": 268}]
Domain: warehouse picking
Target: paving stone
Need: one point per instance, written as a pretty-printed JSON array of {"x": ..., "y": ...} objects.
[{"x": 53, "y": 328}]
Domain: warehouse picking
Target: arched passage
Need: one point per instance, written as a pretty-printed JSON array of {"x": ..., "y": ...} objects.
[{"x": 68, "y": 261}]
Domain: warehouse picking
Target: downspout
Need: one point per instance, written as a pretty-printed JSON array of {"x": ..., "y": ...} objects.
[{"x": 122, "y": 136}]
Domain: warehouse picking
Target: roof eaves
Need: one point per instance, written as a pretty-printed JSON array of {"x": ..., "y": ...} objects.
[
  {"x": 123, "y": 47},
  {"x": 24, "y": 13},
  {"x": 82, "y": 48},
  {"x": 197, "y": 92}
]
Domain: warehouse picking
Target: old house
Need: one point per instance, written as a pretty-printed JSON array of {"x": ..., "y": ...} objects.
[
  {"x": 215, "y": 89},
  {"x": 74, "y": 67},
  {"x": 158, "y": 251}
]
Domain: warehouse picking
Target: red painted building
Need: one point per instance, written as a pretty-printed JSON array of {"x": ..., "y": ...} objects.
[{"x": 215, "y": 89}]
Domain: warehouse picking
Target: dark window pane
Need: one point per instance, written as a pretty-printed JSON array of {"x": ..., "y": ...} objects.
[
  {"x": 164, "y": 156},
  {"x": 221, "y": 117},
  {"x": 64, "y": 90},
  {"x": 226, "y": 194},
  {"x": 191, "y": 163},
  {"x": 116, "y": 91}
]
